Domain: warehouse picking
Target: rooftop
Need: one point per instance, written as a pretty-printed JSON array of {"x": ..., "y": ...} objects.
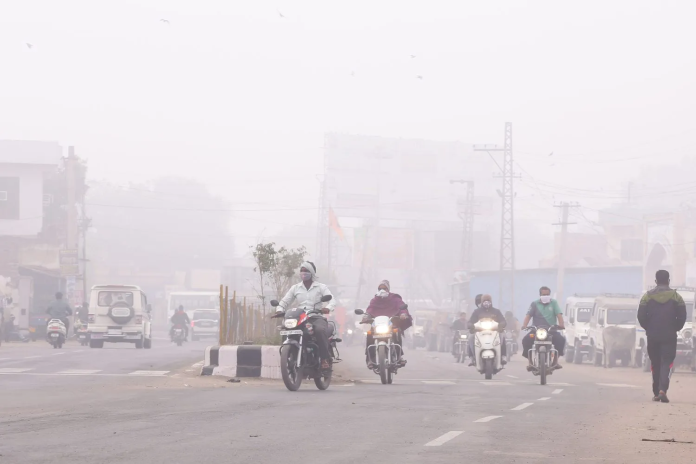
[{"x": 30, "y": 152}]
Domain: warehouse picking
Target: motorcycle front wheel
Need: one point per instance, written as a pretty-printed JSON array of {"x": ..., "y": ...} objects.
[
  {"x": 542, "y": 367},
  {"x": 384, "y": 373},
  {"x": 488, "y": 368},
  {"x": 292, "y": 374}
]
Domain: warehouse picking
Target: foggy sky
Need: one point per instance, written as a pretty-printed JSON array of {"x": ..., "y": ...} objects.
[{"x": 227, "y": 89}]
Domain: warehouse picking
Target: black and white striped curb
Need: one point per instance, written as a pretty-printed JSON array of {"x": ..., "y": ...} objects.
[{"x": 242, "y": 361}]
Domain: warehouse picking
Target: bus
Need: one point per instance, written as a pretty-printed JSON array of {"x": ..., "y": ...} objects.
[{"x": 192, "y": 301}]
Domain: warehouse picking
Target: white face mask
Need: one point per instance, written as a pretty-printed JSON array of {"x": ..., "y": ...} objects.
[
  {"x": 486, "y": 304},
  {"x": 383, "y": 293},
  {"x": 546, "y": 299}
]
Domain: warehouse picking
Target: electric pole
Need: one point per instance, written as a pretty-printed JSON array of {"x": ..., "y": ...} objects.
[
  {"x": 560, "y": 276},
  {"x": 507, "y": 226},
  {"x": 466, "y": 214}
]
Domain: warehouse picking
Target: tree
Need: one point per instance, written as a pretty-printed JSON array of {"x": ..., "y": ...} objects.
[{"x": 277, "y": 269}]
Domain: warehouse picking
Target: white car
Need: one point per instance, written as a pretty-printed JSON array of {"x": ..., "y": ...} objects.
[
  {"x": 205, "y": 323},
  {"x": 612, "y": 310},
  {"x": 119, "y": 314},
  {"x": 577, "y": 315}
]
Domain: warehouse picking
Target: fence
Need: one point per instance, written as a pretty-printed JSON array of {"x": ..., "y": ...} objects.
[{"x": 243, "y": 322}]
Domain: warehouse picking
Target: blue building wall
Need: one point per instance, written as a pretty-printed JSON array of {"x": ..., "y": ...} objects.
[{"x": 627, "y": 279}]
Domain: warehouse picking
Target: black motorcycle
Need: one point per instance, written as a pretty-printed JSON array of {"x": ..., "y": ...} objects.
[
  {"x": 299, "y": 353},
  {"x": 543, "y": 356}
]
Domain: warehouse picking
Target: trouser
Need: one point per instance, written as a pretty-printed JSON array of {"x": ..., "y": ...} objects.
[
  {"x": 321, "y": 335},
  {"x": 472, "y": 350},
  {"x": 557, "y": 339},
  {"x": 662, "y": 354}
]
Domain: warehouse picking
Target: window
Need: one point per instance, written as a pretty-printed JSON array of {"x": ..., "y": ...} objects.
[
  {"x": 3, "y": 196},
  {"x": 109, "y": 298},
  {"x": 631, "y": 249},
  {"x": 584, "y": 314},
  {"x": 9, "y": 197}
]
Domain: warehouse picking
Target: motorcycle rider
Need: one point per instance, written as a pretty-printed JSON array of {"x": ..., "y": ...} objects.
[
  {"x": 487, "y": 311},
  {"x": 470, "y": 344},
  {"x": 180, "y": 318},
  {"x": 60, "y": 309},
  {"x": 308, "y": 293},
  {"x": 457, "y": 325},
  {"x": 388, "y": 304},
  {"x": 545, "y": 313}
]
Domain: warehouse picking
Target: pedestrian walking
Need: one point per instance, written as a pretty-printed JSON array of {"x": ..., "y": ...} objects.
[{"x": 662, "y": 313}]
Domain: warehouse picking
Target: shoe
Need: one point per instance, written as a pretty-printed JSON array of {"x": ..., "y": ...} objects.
[
  {"x": 402, "y": 362},
  {"x": 530, "y": 368},
  {"x": 558, "y": 366},
  {"x": 663, "y": 397},
  {"x": 472, "y": 364},
  {"x": 371, "y": 365},
  {"x": 325, "y": 365},
  {"x": 656, "y": 398},
  {"x": 503, "y": 362}
]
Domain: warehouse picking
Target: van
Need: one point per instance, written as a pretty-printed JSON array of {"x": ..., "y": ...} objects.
[
  {"x": 612, "y": 331},
  {"x": 205, "y": 323},
  {"x": 577, "y": 314},
  {"x": 119, "y": 314}
]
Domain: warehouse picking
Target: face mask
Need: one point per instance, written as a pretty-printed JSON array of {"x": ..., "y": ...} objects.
[
  {"x": 383, "y": 293},
  {"x": 486, "y": 304},
  {"x": 546, "y": 299},
  {"x": 306, "y": 276}
]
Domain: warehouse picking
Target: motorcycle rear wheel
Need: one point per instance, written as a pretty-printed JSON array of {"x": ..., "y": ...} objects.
[
  {"x": 292, "y": 374},
  {"x": 542, "y": 368},
  {"x": 322, "y": 381}
]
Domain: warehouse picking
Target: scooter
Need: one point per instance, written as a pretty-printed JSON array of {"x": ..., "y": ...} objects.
[
  {"x": 487, "y": 348},
  {"x": 461, "y": 346},
  {"x": 178, "y": 335},
  {"x": 56, "y": 333}
]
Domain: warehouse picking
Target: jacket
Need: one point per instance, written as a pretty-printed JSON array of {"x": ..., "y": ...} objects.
[
  {"x": 180, "y": 318},
  {"x": 306, "y": 299},
  {"x": 662, "y": 313},
  {"x": 59, "y": 309},
  {"x": 490, "y": 313},
  {"x": 390, "y": 306}
]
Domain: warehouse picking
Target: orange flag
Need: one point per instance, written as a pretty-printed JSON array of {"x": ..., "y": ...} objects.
[{"x": 333, "y": 223}]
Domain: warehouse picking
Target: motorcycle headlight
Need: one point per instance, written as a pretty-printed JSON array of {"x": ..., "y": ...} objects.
[
  {"x": 464, "y": 336},
  {"x": 350, "y": 332},
  {"x": 542, "y": 334},
  {"x": 382, "y": 329},
  {"x": 290, "y": 323}
]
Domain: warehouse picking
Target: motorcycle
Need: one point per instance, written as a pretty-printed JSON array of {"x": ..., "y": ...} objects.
[
  {"x": 82, "y": 333},
  {"x": 510, "y": 345},
  {"x": 461, "y": 346},
  {"x": 178, "y": 334},
  {"x": 487, "y": 348},
  {"x": 387, "y": 347},
  {"x": 56, "y": 333},
  {"x": 543, "y": 357},
  {"x": 299, "y": 352}
]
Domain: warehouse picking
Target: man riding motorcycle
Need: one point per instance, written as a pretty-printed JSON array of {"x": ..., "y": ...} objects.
[
  {"x": 60, "y": 309},
  {"x": 486, "y": 311},
  {"x": 545, "y": 313},
  {"x": 180, "y": 318},
  {"x": 307, "y": 294},
  {"x": 457, "y": 325},
  {"x": 388, "y": 304}
]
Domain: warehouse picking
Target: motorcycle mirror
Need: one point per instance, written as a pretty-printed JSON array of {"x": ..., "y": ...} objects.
[
  {"x": 275, "y": 303},
  {"x": 326, "y": 298},
  {"x": 359, "y": 312}
]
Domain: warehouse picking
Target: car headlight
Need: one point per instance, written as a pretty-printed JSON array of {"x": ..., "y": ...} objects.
[
  {"x": 542, "y": 334},
  {"x": 290, "y": 323},
  {"x": 382, "y": 329},
  {"x": 350, "y": 332}
]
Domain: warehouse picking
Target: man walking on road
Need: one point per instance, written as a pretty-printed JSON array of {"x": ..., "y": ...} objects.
[{"x": 662, "y": 313}]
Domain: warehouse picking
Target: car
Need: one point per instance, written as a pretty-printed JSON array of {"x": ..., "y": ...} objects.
[
  {"x": 613, "y": 329},
  {"x": 119, "y": 314},
  {"x": 577, "y": 316},
  {"x": 205, "y": 323}
]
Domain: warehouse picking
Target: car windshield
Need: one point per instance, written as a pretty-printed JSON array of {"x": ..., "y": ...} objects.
[
  {"x": 621, "y": 316},
  {"x": 584, "y": 314},
  {"x": 108, "y": 298},
  {"x": 208, "y": 315},
  {"x": 689, "y": 311}
]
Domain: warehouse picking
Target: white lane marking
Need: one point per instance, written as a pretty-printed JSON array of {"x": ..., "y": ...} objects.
[
  {"x": 149, "y": 373},
  {"x": 521, "y": 406},
  {"x": 79, "y": 371},
  {"x": 39, "y": 374},
  {"x": 545, "y": 398},
  {"x": 78, "y": 351},
  {"x": 488, "y": 418},
  {"x": 439, "y": 441},
  {"x": 345, "y": 385},
  {"x": 57, "y": 354},
  {"x": 31, "y": 357},
  {"x": 496, "y": 383},
  {"x": 557, "y": 392},
  {"x": 438, "y": 382},
  {"x": 560, "y": 384},
  {"x": 13, "y": 370},
  {"x": 198, "y": 364},
  {"x": 617, "y": 385},
  {"x": 513, "y": 376}
]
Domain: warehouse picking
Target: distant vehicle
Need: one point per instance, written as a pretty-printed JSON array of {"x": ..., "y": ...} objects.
[
  {"x": 192, "y": 301},
  {"x": 205, "y": 323},
  {"x": 577, "y": 315},
  {"x": 613, "y": 329},
  {"x": 461, "y": 345},
  {"x": 56, "y": 333},
  {"x": 119, "y": 314},
  {"x": 178, "y": 334},
  {"x": 487, "y": 349},
  {"x": 543, "y": 356}
]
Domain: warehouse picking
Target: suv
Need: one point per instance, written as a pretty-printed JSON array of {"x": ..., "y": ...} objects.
[
  {"x": 205, "y": 323},
  {"x": 119, "y": 314},
  {"x": 577, "y": 314}
]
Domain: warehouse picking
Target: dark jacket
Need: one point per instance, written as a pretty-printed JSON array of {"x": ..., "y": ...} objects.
[
  {"x": 180, "y": 318},
  {"x": 390, "y": 306},
  {"x": 460, "y": 324},
  {"x": 490, "y": 313},
  {"x": 662, "y": 313},
  {"x": 59, "y": 309}
]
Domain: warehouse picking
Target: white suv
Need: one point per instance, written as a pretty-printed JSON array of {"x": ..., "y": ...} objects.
[
  {"x": 205, "y": 323},
  {"x": 119, "y": 314}
]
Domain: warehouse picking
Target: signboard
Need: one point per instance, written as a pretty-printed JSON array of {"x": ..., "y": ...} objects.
[{"x": 69, "y": 263}]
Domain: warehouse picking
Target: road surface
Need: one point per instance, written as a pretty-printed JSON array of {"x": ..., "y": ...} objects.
[{"x": 121, "y": 405}]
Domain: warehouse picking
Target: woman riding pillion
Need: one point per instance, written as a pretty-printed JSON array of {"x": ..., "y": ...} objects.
[
  {"x": 307, "y": 294},
  {"x": 387, "y": 304}
]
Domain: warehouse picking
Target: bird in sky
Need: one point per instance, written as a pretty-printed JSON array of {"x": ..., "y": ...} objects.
[
  {"x": 420, "y": 77},
  {"x": 413, "y": 56},
  {"x": 352, "y": 74},
  {"x": 281, "y": 15},
  {"x": 29, "y": 46},
  {"x": 551, "y": 154},
  {"x": 165, "y": 21}
]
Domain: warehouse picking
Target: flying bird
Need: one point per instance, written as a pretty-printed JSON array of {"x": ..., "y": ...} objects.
[
  {"x": 352, "y": 74},
  {"x": 413, "y": 56},
  {"x": 420, "y": 77},
  {"x": 281, "y": 15},
  {"x": 165, "y": 21},
  {"x": 30, "y": 46},
  {"x": 551, "y": 154}
]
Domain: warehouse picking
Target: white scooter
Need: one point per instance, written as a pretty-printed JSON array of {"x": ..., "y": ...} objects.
[
  {"x": 487, "y": 348},
  {"x": 56, "y": 333}
]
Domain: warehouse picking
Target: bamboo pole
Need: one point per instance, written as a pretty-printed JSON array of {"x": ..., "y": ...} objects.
[
  {"x": 227, "y": 305},
  {"x": 222, "y": 319}
]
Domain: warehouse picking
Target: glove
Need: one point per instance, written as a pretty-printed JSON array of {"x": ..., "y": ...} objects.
[{"x": 279, "y": 310}]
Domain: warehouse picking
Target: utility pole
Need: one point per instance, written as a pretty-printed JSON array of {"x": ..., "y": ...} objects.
[
  {"x": 507, "y": 226},
  {"x": 466, "y": 214},
  {"x": 560, "y": 276}
]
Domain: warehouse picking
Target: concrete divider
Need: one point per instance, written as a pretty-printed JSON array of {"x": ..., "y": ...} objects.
[{"x": 261, "y": 361}]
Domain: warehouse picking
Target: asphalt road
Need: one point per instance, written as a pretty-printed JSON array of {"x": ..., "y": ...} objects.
[{"x": 436, "y": 411}]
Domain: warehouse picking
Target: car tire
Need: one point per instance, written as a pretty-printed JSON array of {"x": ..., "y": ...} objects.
[
  {"x": 147, "y": 344},
  {"x": 570, "y": 355},
  {"x": 96, "y": 343},
  {"x": 139, "y": 344}
]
